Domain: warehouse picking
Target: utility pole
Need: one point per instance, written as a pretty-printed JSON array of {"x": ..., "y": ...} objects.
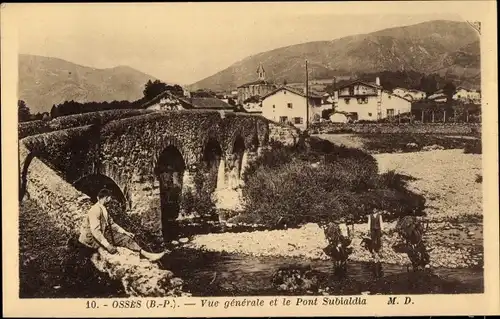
[{"x": 307, "y": 97}]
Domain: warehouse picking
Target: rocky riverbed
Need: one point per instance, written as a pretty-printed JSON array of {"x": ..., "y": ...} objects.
[
  {"x": 309, "y": 241},
  {"x": 448, "y": 180}
]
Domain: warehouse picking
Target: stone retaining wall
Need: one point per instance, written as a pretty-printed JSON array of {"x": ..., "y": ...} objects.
[
  {"x": 427, "y": 128},
  {"x": 286, "y": 134},
  {"x": 66, "y": 207}
]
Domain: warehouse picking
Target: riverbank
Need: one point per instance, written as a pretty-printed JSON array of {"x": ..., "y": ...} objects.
[
  {"x": 447, "y": 179},
  {"x": 309, "y": 241}
]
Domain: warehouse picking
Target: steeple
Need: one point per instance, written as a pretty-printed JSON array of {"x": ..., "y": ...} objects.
[{"x": 261, "y": 72}]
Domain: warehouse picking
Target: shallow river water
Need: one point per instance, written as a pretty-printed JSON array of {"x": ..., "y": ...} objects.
[{"x": 217, "y": 274}]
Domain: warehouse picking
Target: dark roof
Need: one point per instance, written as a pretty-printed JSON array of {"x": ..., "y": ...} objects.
[
  {"x": 397, "y": 96},
  {"x": 359, "y": 82},
  {"x": 292, "y": 90},
  {"x": 157, "y": 99},
  {"x": 261, "y": 82},
  {"x": 209, "y": 103}
]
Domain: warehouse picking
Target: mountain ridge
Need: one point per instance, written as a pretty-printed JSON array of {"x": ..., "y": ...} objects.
[
  {"x": 420, "y": 47},
  {"x": 45, "y": 81}
]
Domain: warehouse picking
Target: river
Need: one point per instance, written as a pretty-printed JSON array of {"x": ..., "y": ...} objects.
[{"x": 221, "y": 274}]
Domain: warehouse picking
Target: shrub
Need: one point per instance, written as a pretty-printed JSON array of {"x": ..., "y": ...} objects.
[
  {"x": 474, "y": 147},
  {"x": 198, "y": 200},
  {"x": 285, "y": 182}
]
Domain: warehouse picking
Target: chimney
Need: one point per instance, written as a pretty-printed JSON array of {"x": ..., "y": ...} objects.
[{"x": 377, "y": 81}]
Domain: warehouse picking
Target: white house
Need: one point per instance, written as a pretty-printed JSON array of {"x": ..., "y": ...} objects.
[
  {"x": 400, "y": 91},
  {"x": 369, "y": 102},
  {"x": 466, "y": 95},
  {"x": 438, "y": 96},
  {"x": 409, "y": 94},
  {"x": 287, "y": 105}
]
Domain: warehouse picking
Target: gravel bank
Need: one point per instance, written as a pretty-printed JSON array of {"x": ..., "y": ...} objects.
[
  {"x": 446, "y": 178},
  {"x": 309, "y": 241}
]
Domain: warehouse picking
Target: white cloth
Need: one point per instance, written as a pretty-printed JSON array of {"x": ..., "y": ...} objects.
[{"x": 343, "y": 230}]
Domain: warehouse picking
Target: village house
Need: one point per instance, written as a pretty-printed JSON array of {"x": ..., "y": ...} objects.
[
  {"x": 438, "y": 96},
  {"x": 260, "y": 87},
  {"x": 287, "y": 105},
  {"x": 409, "y": 94},
  {"x": 166, "y": 101},
  {"x": 369, "y": 101},
  {"x": 466, "y": 95}
]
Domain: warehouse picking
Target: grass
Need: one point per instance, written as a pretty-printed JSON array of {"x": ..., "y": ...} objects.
[
  {"x": 44, "y": 256},
  {"x": 318, "y": 182}
]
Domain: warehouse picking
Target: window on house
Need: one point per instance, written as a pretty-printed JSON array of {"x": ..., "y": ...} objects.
[
  {"x": 347, "y": 101},
  {"x": 284, "y": 92},
  {"x": 369, "y": 114},
  {"x": 389, "y": 96},
  {"x": 290, "y": 105},
  {"x": 390, "y": 112},
  {"x": 274, "y": 106},
  {"x": 298, "y": 120},
  {"x": 283, "y": 119}
]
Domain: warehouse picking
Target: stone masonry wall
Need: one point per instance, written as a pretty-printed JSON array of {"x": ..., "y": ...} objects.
[
  {"x": 127, "y": 150},
  {"x": 64, "y": 122},
  {"x": 426, "y": 128},
  {"x": 66, "y": 207},
  {"x": 288, "y": 135}
]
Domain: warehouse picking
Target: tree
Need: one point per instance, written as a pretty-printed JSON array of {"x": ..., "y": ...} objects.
[
  {"x": 152, "y": 89},
  {"x": 230, "y": 101},
  {"x": 449, "y": 89},
  {"x": 428, "y": 84},
  {"x": 23, "y": 111},
  {"x": 54, "y": 112},
  {"x": 325, "y": 114}
]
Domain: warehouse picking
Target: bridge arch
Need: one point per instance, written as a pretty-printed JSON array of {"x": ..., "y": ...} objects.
[
  {"x": 91, "y": 184},
  {"x": 169, "y": 170},
  {"x": 171, "y": 141},
  {"x": 211, "y": 158},
  {"x": 238, "y": 148}
]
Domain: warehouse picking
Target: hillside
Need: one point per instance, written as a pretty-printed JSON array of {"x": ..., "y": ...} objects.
[
  {"x": 447, "y": 47},
  {"x": 44, "y": 81}
]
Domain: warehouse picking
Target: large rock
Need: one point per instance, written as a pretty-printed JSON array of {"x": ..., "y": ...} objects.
[
  {"x": 66, "y": 207},
  {"x": 139, "y": 276}
]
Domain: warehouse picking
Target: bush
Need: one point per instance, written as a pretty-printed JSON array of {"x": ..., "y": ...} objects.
[
  {"x": 288, "y": 182},
  {"x": 198, "y": 200},
  {"x": 474, "y": 147}
]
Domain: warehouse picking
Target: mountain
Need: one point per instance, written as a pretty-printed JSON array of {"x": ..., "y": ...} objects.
[
  {"x": 44, "y": 81},
  {"x": 444, "y": 47}
]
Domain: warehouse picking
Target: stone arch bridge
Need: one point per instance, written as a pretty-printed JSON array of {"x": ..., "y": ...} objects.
[{"x": 147, "y": 158}]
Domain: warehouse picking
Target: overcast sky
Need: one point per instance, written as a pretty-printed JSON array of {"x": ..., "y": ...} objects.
[{"x": 184, "y": 43}]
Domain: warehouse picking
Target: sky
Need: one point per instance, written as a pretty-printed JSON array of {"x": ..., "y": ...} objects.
[{"x": 186, "y": 42}]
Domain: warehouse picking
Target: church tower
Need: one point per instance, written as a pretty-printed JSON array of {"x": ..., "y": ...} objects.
[{"x": 261, "y": 72}]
